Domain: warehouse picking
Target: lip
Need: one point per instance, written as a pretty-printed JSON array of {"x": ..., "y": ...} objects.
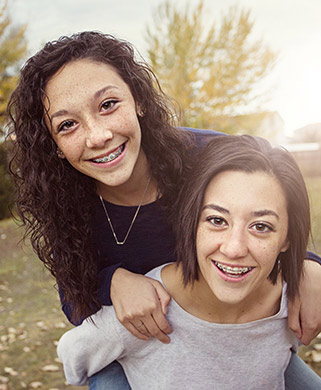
[
  {"x": 229, "y": 278},
  {"x": 112, "y": 163},
  {"x": 107, "y": 153}
]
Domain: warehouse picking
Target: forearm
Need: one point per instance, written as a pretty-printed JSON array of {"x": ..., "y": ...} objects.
[
  {"x": 104, "y": 283},
  {"x": 305, "y": 309}
]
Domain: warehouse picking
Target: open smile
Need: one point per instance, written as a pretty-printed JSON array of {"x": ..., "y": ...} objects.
[
  {"x": 233, "y": 272},
  {"x": 110, "y": 157}
]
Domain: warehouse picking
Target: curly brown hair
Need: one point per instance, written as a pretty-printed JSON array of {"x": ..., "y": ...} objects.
[{"x": 54, "y": 201}]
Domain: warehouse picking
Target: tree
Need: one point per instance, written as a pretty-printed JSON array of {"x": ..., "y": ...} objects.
[
  {"x": 211, "y": 72},
  {"x": 13, "y": 48}
]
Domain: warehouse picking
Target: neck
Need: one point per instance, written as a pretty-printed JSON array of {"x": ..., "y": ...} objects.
[
  {"x": 130, "y": 193},
  {"x": 199, "y": 300}
]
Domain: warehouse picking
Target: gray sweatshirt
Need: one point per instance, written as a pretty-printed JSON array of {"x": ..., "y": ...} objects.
[{"x": 201, "y": 355}]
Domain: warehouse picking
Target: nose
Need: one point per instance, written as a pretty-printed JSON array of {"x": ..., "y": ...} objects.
[
  {"x": 97, "y": 134},
  {"x": 234, "y": 244}
]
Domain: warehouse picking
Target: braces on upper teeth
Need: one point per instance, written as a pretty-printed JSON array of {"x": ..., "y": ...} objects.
[
  {"x": 111, "y": 157},
  {"x": 232, "y": 270}
]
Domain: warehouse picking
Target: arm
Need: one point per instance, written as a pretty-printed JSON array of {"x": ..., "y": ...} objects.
[
  {"x": 88, "y": 348},
  {"x": 104, "y": 279},
  {"x": 137, "y": 299},
  {"x": 140, "y": 304},
  {"x": 305, "y": 309},
  {"x": 312, "y": 256}
]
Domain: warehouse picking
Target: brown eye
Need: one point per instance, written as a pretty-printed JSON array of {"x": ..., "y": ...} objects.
[
  {"x": 216, "y": 221},
  {"x": 66, "y": 125},
  {"x": 262, "y": 228},
  {"x": 108, "y": 105}
]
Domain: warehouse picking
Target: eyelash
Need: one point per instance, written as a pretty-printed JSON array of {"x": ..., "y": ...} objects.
[
  {"x": 214, "y": 222},
  {"x": 110, "y": 101},
  {"x": 61, "y": 127},
  {"x": 211, "y": 219},
  {"x": 270, "y": 228}
]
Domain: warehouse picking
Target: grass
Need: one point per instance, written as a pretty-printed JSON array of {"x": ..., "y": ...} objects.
[
  {"x": 30, "y": 317},
  {"x": 31, "y": 320}
]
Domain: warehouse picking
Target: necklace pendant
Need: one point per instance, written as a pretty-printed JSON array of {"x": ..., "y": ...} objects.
[{"x": 132, "y": 222}]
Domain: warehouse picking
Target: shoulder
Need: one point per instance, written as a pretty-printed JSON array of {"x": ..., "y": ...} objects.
[{"x": 155, "y": 273}]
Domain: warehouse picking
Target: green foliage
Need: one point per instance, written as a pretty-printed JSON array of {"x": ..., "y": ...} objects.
[
  {"x": 6, "y": 185},
  {"x": 13, "y": 48},
  {"x": 211, "y": 72}
]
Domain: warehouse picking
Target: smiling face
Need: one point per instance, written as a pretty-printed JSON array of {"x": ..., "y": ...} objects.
[
  {"x": 242, "y": 228},
  {"x": 94, "y": 122}
]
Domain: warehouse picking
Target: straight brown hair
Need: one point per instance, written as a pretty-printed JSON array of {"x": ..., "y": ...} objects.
[{"x": 248, "y": 154}]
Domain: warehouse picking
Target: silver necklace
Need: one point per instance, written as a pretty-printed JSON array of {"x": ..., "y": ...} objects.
[{"x": 132, "y": 222}]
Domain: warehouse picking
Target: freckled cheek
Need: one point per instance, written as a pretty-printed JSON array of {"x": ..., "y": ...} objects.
[
  {"x": 126, "y": 118},
  {"x": 72, "y": 150}
]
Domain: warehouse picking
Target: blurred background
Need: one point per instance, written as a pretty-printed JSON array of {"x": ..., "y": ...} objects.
[{"x": 239, "y": 66}]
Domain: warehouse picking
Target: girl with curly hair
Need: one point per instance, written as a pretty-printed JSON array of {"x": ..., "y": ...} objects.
[{"x": 98, "y": 164}]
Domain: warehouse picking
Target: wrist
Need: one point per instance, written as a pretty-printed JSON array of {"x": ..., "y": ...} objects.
[{"x": 118, "y": 276}]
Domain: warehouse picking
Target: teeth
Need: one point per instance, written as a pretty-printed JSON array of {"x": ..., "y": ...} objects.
[
  {"x": 232, "y": 270},
  {"x": 110, "y": 157}
]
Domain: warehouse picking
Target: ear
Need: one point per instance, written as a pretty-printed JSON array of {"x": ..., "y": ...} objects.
[
  {"x": 140, "y": 112},
  {"x": 286, "y": 246}
]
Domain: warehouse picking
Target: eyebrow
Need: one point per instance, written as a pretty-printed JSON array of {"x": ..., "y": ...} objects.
[
  {"x": 215, "y": 207},
  {"x": 258, "y": 213},
  {"x": 96, "y": 96},
  {"x": 58, "y": 113},
  {"x": 262, "y": 213}
]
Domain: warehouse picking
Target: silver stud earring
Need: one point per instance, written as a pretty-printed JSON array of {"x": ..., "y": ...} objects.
[{"x": 60, "y": 153}]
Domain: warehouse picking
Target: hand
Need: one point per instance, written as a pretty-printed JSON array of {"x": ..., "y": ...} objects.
[
  {"x": 140, "y": 304},
  {"x": 305, "y": 309}
]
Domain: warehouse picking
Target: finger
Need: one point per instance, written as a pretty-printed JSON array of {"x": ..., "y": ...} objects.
[
  {"x": 162, "y": 322},
  {"x": 144, "y": 330},
  {"x": 306, "y": 338},
  {"x": 154, "y": 330},
  {"x": 163, "y": 296},
  {"x": 141, "y": 328},
  {"x": 294, "y": 322},
  {"x": 309, "y": 332},
  {"x": 134, "y": 331}
]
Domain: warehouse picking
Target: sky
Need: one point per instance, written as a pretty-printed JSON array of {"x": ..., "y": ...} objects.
[{"x": 290, "y": 27}]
